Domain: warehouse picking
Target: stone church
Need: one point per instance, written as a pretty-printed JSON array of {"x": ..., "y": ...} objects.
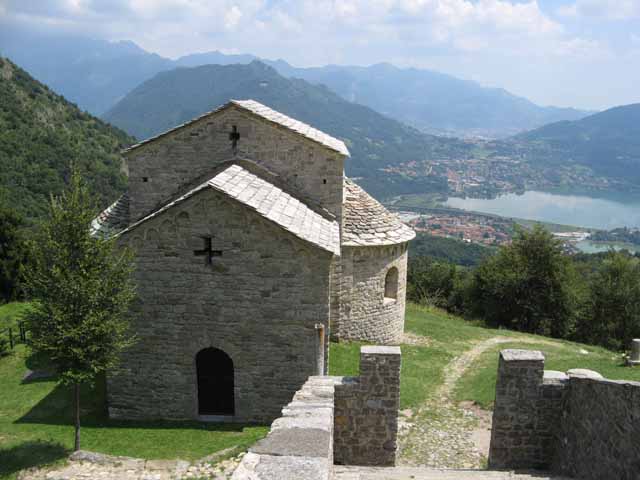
[{"x": 252, "y": 249}]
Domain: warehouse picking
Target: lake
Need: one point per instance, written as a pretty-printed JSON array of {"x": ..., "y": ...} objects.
[{"x": 577, "y": 210}]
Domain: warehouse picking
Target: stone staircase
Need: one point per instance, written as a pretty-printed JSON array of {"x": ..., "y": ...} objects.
[{"x": 418, "y": 473}]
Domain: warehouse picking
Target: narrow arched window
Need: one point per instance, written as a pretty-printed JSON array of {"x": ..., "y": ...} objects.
[{"x": 391, "y": 285}]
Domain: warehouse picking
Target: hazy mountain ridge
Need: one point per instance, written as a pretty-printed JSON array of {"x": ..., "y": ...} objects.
[
  {"x": 41, "y": 134},
  {"x": 432, "y": 101},
  {"x": 97, "y": 74},
  {"x": 375, "y": 141}
]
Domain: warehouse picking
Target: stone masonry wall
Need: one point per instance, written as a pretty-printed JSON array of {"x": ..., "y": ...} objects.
[
  {"x": 300, "y": 442},
  {"x": 366, "y": 410},
  {"x": 577, "y": 424},
  {"x": 365, "y": 314},
  {"x": 259, "y": 302},
  {"x": 158, "y": 168},
  {"x": 342, "y": 420},
  {"x": 522, "y": 434},
  {"x": 600, "y": 430}
]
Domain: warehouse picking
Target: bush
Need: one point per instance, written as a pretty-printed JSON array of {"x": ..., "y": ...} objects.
[
  {"x": 531, "y": 286},
  {"x": 613, "y": 317},
  {"x": 437, "y": 283},
  {"x": 4, "y": 347}
]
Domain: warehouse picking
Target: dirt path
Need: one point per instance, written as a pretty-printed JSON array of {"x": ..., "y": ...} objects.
[{"x": 443, "y": 433}]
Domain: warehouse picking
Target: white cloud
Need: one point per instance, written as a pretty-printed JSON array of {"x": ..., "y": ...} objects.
[
  {"x": 598, "y": 9},
  {"x": 232, "y": 18},
  {"x": 511, "y": 43}
]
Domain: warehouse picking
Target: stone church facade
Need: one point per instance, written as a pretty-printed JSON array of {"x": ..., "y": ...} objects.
[{"x": 252, "y": 249}]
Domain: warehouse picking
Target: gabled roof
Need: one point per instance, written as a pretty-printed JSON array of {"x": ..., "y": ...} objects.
[
  {"x": 270, "y": 202},
  {"x": 113, "y": 219},
  {"x": 367, "y": 223},
  {"x": 266, "y": 113}
]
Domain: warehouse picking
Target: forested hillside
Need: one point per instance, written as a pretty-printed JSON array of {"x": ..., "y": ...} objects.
[
  {"x": 41, "y": 134},
  {"x": 376, "y": 143},
  {"x": 608, "y": 142}
]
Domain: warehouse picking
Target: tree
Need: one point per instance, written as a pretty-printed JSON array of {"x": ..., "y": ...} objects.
[
  {"x": 12, "y": 253},
  {"x": 530, "y": 285},
  {"x": 614, "y": 303},
  {"x": 82, "y": 289}
]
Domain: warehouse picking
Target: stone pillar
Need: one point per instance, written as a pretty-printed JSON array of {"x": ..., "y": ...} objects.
[
  {"x": 634, "y": 359},
  {"x": 366, "y": 410},
  {"x": 515, "y": 439}
]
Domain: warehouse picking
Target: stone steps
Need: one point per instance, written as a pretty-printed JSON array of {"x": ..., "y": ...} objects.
[{"x": 419, "y": 473}]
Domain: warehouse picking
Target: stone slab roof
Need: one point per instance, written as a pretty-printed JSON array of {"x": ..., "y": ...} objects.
[
  {"x": 269, "y": 114},
  {"x": 270, "y": 202},
  {"x": 367, "y": 223},
  {"x": 113, "y": 219},
  {"x": 293, "y": 124}
]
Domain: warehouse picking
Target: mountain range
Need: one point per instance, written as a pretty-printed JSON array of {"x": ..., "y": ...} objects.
[
  {"x": 375, "y": 141},
  {"x": 96, "y": 74}
]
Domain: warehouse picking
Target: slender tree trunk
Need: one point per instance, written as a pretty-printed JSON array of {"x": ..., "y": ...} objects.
[{"x": 76, "y": 445}]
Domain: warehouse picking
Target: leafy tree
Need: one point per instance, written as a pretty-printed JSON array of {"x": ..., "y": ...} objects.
[
  {"x": 530, "y": 285},
  {"x": 614, "y": 301},
  {"x": 82, "y": 289},
  {"x": 12, "y": 253}
]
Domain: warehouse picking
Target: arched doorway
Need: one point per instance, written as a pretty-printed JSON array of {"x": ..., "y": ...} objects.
[{"x": 215, "y": 382}]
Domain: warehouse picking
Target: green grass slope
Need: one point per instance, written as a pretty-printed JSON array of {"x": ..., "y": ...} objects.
[
  {"x": 36, "y": 426},
  {"x": 41, "y": 134}
]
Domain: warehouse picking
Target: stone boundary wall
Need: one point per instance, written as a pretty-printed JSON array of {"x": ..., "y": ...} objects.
[
  {"x": 366, "y": 410},
  {"x": 306, "y": 440},
  {"x": 300, "y": 443},
  {"x": 578, "y": 424}
]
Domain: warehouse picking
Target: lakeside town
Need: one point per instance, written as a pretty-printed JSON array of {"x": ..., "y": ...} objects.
[{"x": 493, "y": 231}]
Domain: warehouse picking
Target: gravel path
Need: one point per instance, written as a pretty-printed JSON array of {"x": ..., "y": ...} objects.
[{"x": 442, "y": 433}]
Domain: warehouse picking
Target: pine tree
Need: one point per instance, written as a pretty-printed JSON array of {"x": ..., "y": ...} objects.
[{"x": 82, "y": 288}]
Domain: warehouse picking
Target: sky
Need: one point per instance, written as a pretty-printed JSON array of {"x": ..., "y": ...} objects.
[{"x": 579, "y": 53}]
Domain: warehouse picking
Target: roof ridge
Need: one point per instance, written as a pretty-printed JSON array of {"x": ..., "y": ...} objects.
[{"x": 266, "y": 113}]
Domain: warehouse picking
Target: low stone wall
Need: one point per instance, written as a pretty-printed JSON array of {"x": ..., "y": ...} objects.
[
  {"x": 578, "y": 424},
  {"x": 303, "y": 443},
  {"x": 600, "y": 430},
  {"x": 300, "y": 443},
  {"x": 366, "y": 410}
]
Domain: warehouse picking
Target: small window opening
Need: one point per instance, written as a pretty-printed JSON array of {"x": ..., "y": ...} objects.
[
  {"x": 145, "y": 179},
  {"x": 391, "y": 285},
  {"x": 324, "y": 180}
]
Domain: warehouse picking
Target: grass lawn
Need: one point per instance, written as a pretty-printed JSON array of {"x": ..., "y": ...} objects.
[
  {"x": 478, "y": 384},
  {"x": 36, "y": 424},
  {"x": 448, "y": 336}
]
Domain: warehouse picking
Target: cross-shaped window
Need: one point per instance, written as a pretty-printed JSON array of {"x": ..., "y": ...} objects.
[
  {"x": 207, "y": 252},
  {"x": 234, "y": 136}
]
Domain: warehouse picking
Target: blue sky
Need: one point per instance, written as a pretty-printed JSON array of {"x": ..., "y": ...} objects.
[{"x": 581, "y": 53}]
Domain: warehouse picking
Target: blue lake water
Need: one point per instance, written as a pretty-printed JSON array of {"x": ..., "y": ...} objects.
[{"x": 577, "y": 210}]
